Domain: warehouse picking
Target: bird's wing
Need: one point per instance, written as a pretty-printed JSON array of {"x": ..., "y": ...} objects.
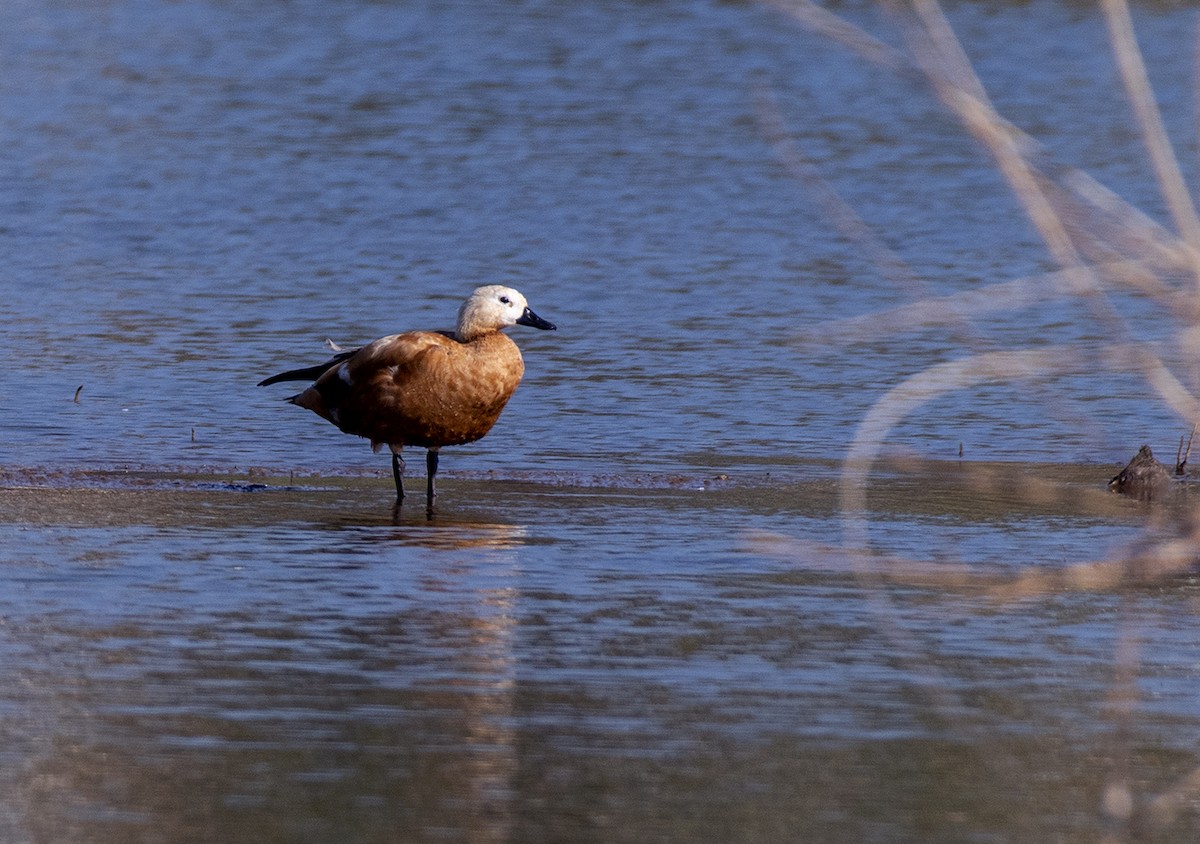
[{"x": 396, "y": 354}]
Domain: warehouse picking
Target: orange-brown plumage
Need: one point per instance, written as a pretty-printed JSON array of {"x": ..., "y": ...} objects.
[
  {"x": 425, "y": 388},
  {"x": 421, "y": 389}
]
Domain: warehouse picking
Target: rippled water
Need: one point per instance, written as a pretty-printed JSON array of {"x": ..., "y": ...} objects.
[
  {"x": 201, "y": 193},
  {"x": 213, "y": 626}
]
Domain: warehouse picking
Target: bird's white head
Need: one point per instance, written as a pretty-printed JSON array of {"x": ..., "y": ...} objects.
[{"x": 494, "y": 307}]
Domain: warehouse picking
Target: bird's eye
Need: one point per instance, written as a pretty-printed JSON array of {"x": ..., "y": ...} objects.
[{"x": 504, "y": 300}]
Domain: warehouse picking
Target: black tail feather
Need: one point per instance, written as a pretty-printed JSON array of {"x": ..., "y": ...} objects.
[{"x": 308, "y": 373}]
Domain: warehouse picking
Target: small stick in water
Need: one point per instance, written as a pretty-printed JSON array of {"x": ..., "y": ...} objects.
[
  {"x": 1181, "y": 456},
  {"x": 77, "y": 392}
]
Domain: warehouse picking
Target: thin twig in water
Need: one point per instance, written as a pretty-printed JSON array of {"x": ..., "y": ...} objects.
[{"x": 1181, "y": 456}]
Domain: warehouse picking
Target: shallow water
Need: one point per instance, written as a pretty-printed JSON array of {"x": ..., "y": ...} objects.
[
  {"x": 631, "y": 618},
  {"x": 271, "y": 660}
]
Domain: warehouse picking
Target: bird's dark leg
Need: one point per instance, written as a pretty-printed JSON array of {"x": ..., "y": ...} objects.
[
  {"x": 398, "y": 475},
  {"x": 431, "y": 464}
]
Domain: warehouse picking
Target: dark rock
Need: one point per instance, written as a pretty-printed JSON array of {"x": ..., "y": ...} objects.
[{"x": 1143, "y": 478}]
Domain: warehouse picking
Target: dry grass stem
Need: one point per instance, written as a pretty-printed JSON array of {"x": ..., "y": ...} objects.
[
  {"x": 936, "y": 51},
  {"x": 820, "y": 20},
  {"x": 838, "y": 211},
  {"x": 1152, "y": 564},
  {"x": 1108, "y": 254},
  {"x": 999, "y": 367},
  {"x": 1154, "y": 134},
  {"x": 954, "y": 308}
]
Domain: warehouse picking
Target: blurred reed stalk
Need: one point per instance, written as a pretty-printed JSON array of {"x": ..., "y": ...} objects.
[{"x": 1102, "y": 246}]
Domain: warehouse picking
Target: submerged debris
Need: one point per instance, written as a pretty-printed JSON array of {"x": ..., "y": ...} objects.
[{"x": 1143, "y": 478}]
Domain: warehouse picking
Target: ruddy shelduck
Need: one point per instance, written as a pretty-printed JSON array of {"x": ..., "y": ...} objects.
[{"x": 424, "y": 388}]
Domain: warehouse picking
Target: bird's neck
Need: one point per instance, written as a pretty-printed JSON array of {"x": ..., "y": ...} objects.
[{"x": 469, "y": 332}]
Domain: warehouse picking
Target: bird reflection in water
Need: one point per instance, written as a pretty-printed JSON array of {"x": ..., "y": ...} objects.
[
  {"x": 467, "y": 627},
  {"x": 311, "y": 698}
]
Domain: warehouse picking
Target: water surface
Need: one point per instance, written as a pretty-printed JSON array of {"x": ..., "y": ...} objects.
[{"x": 631, "y": 619}]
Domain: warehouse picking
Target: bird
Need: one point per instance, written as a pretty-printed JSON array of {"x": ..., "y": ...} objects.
[{"x": 426, "y": 389}]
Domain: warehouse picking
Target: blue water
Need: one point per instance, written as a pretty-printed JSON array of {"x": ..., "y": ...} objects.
[
  {"x": 199, "y": 194},
  {"x": 592, "y": 641}
]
